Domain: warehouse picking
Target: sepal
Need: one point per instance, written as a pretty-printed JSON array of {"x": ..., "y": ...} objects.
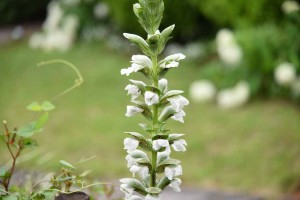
[{"x": 135, "y": 184}]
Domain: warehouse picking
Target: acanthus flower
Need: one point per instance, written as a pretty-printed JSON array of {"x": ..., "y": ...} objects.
[
  {"x": 134, "y": 91},
  {"x": 171, "y": 61},
  {"x": 133, "y": 110},
  {"x": 130, "y": 144},
  {"x": 139, "y": 62},
  {"x": 179, "y": 145},
  {"x": 151, "y": 98},
  {"x": 171, "y": 171},
  {"x": 175, "y": 184}
]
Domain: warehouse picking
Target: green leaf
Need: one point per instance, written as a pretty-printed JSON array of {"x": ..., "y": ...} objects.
[
  {"x": 172, "y": 93},
  {"x": 28, "y": 142},
  {"x": 34, "y": 106},
  {"x": 138, "y": 154},
  {"x": 47, "y": 106},
  {"x": 66, "y": 164},
  {"x": 2, "y": 171},
  {"x": 160, "y": 136},
  {"x": 139, "y": 41},
  {"x": 41, "y": 121},
  {"x": 27, "y": 130},
  {"x": 153, "y": 89},
  {"x": 10, "y": 197}
]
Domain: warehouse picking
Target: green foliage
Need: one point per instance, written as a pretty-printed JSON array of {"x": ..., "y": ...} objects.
[{"x": 240, "y": 13}]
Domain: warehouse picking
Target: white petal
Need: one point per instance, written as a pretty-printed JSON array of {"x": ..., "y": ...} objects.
[
  {"x": 142, "y": 60},
  {"x": 179, "y": 116},
  {"x": 158, "y": 144},
  {"x": 178, "y": 102},
  {"x": 133, "y": 110},
  {"x": 175, "y": 57},
  {"x": 169, "y": 172},
  {"x": 172, "y": 65},
  {"x": 127, "y": 190},
  {"x": 131, "y": 144},
  {"x": 133, "y": 90},
  {"x": 179, "y": 145},
  {"x": 151, "y": 98},
  {"x": 152, "y": 197},
  {"x": 163, "y": 84},
  {"x": 134, "y": 197},
  {"x": 175, "y": 184}
]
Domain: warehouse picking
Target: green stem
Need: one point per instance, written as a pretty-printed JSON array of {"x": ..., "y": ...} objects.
[{"x": 155, "y": 120}]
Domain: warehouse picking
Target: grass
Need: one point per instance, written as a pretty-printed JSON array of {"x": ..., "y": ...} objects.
[{"x": 253, "y": 149}]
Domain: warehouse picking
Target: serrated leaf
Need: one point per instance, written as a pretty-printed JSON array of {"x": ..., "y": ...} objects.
[
  {"x": 27, "y": 130},
  {"x": 66, "y": 164},
  {"x": 34, "y": 106},
  {"x": 47, "y": 106},
  {"x": 41, "y": 121},
  {"x": 153, "y": 190}
]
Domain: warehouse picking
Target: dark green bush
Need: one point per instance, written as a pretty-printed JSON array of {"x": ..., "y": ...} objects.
[
  {"x": 239, "y": 13},
  {"x": 18, "y": 11}
]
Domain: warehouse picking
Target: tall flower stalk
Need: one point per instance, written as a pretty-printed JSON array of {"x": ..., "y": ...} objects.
[{"x": 149, "y": 156}]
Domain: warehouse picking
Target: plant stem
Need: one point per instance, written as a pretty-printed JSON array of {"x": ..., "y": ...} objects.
[
  {"x": 155, "y": 120},
  {"x": 12, "y": 169}
]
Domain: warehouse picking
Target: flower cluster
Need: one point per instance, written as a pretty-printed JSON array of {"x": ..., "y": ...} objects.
[{"x": 149, "y": 159}]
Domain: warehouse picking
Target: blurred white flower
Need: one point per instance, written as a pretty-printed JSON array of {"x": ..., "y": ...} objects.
[
  {"x": 228, "y": 49},
  {"x": 55, "y": 14},
  {"x": 130, "y": 144},
  {"x": 175, "y": 184},
  {"x": 202, "y": 91},
  {"x": 101, "y": 10},
  {"x": 234, "y": 97},
  {"x": 133, "y": 110},
  {"x": 173, "y": 48},
  {"x": 290, "y": 6},
  {"x": 179, "y": 145},
  {"x": 194, "y": 50},
  {"x": 151, "y": 98},
  {"x": 172, "y": 171},
  {"x": 35, "y": 40},
  {"x": 285, "y": 74}
]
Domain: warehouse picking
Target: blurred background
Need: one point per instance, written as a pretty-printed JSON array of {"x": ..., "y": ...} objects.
[{"x": 242, "y": 76}]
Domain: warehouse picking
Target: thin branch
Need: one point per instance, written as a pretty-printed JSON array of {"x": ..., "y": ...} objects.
[{"x": 77, "y": 82}]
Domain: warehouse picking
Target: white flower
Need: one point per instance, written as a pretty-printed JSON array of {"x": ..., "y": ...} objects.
[
  {"x": 175, "y": 184},
  {"x": 163, "y": 85},
  {"x": 160, "y": 143},
  {"x": 142, "y": 60},
  {"x": 130, "y": 161},
  {"x": 134, "y": 197},
  {"x": 133, "y": 110},
  {"x": 202, "y": 91},
  {"x": 290, "y": 7},
  {"x": 143, "y": 172},
  {"x": 171, "y": 172},
  {"x": 127, "y": 190},
  {"x": 178, "y": 102},
  {"x": 151, "y": 98},
  {"x": 152, "y": 197},
  {"x": 285, "y": 74},
  {"x": 171, "y": 61},
  {"x": 130, "y": 144},
  {"x": 139, "y": 62},
  {"x": 133, "y": 90},
  {"x": 55, "y": 14},
  {"x": 227, "y": 47},
  {"x": 101, "y": 10},
  {"x": 179, "y": 145},
  {"x": 179, "y": 116},
  {"x": 235, "y": 97}
]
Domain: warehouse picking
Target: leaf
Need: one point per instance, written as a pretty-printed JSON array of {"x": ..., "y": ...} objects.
[
  {"x": 41, "y": 121},
  {"x": 2, "y": 171},
  {"x": 28, "y": 142},
  {"x": 47, "y": 106},
  {"x": 34, "y": 106},
  {"x": 153, "y": 89},
  {"x": 27, "y": 130},
  {"x": 10, "y": 197},
  {"x": 66, "y": 164},
  {"x": 138, "y": 154},
  {"x": 160, "y": 136}
]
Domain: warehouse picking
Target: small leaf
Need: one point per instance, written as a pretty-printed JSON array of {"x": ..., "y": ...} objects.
[
  {"x": 41, "y": 121},
  {"x": 2, "y": 171},
  {"x": 34, "y": 106},
  {"x": 138, "y": 154},
  {"x": 30, "y": 142},
  {"x": 153, "y": 190},
  {"x": 66, "y": 164},
  {"x": 27, "y": 130},
  {"x": 47, "y": 106}
]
